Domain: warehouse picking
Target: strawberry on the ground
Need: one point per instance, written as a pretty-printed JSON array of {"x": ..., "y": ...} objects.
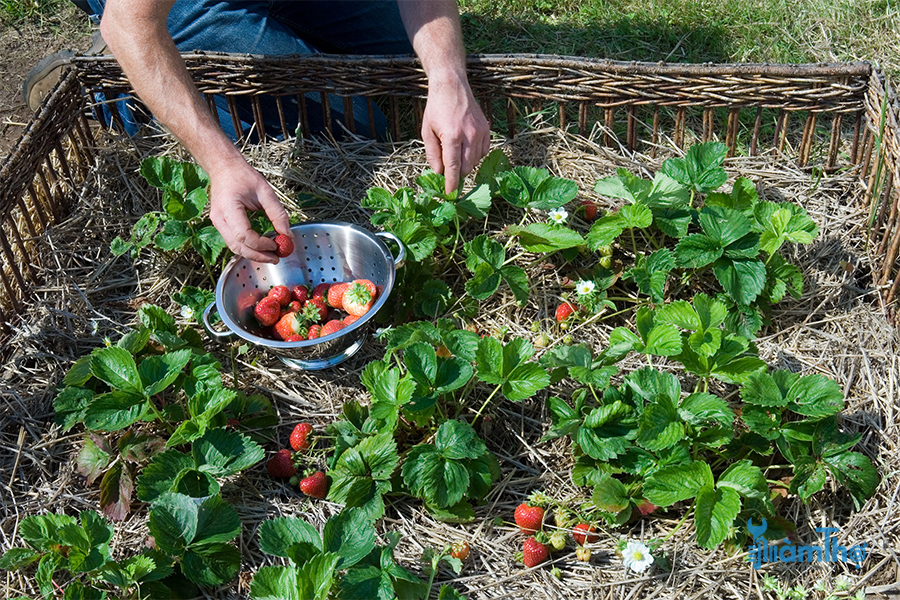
[
  {"x": 313, "y": 332},
  {"x": 300, "y": 293},
  {"x": 358, "y": 299},
  {"x": 583, "y": 554},
  {"x": 280, "y": 293},
  {"x": 533, "y": 552},
  {"x": 285, "y": 245},
  {"x": 459, "y": 550},
  {"x": 267, "y": 311},
  {"x": 321, "y": 290},
  {"x": 316, "y": 485},
  {"x": 315, "y": 309},
  {"x": 300, "y": 436},
  {"x": 330, "y": 327},
  {"x": 590, "y": 210},
  {"x": 296, "y": 338},
  {"x": 289, "y": 325},
  {"x": 584, "y": 532},
  {"x": 282, "y": 464},
  {"x": 564, "y": 311},
  {"x": 529, "y": 518},
  {"x": 349, "y": 320},
  {"x": 335, "y": 296}
]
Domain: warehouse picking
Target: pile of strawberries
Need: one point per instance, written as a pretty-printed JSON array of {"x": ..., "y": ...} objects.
[
  {"x": 529, "y": 516},
  {"x": 284, "y": 464},
  {"x": 296, "y": 315}
]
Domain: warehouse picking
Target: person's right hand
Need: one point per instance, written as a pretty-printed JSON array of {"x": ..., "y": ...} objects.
[{"x": 236, "y": 188}]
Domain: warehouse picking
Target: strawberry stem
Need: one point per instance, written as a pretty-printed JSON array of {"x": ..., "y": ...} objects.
[{"x": 486, "y": 402}]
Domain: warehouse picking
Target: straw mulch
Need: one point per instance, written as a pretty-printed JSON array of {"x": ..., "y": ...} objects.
[{"x": 837, "y": 329}]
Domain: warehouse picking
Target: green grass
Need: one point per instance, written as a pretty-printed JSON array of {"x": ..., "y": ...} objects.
[
  {"x": 689, "y": 30},
  {"x": 34, "y": 11}
]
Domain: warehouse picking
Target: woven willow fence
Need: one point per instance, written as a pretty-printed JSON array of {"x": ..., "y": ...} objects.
[{"x": 826, "y": 116}]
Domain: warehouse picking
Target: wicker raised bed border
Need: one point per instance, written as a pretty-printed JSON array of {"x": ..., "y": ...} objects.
[{"x": 816, "y": 108}]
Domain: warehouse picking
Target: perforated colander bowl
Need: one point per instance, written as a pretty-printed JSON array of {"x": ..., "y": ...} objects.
[{"x": 324, "y": 252}]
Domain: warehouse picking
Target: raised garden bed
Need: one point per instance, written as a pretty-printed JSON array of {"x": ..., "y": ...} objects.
[{"x": 822, "y": 137}]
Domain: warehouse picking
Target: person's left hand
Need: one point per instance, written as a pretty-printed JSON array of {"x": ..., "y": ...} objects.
[{"x": 454, "y": 129}]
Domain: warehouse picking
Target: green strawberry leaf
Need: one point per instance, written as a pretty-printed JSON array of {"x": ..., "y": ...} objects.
[
  {"x": 277, "y": 536},
  {"x": 650, "y": 273},
  {"x": 855, "y": 472},
  {"x": 116, "y": 367},
  {"x": 546, "y": 237},
  {"x": 701, "y": 168},
  {"x": 674, "y": 484},
  {"x": 742, "y": 279},
  {"x": 350, "y": 535},
  {"x": 222, "y": 452},
  {"x": 610, "y": 494},
  {"x": 714, "y": 514}
]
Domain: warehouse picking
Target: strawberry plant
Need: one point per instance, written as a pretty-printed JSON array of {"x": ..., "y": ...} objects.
[
  {"x": 80, "y": 549},
  {"x": 181, "y": 223},
  {"x": 343, "y": 558}
]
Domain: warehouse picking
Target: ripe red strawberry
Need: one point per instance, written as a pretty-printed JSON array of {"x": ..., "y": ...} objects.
[
  {"x": 321, "y": 290},
  {"x": 318, "y": 312},
  {"x": 564, "y": 311},
  {"x": 349, "y": 320},
  {"x": 282, "y": 464},
  {"x": 280, "y": 293},
  {"x": 584, "y": 532},
  {"x": 358, "y": 299},
  {"x": 459, "y": 550},
  {"x": 590, "y": 210},
  {"x": 285, "y": 245},
  {"x": 289, "y": 325},
  {"x": 335, "y": 296},
  {"x": 314, "y": 332},
  {"x": 296, "y": 338},
  {"x": 295, "y": 306},
  {"x": 529, "y": 518},
  {"x": 267, "y": 311},
  {"x": 300, "y": 293},
  {"x": 330, "y": 327},
  {"x": 300, "y": 436},
  {"x": 533, "y": 552},
  {"x": 316, "y": 485}
]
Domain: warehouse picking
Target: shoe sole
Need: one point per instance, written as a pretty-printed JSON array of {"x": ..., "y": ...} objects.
[{"x": 43, "y": 76}]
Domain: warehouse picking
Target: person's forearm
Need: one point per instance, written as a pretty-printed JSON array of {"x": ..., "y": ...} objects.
[
  {"x": 136, "y": 33},
  {"x": 434, "y": 30}
]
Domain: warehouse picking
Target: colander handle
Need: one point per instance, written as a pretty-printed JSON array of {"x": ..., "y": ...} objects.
[
  {"x": 398, "y": 260},
  {"x": 216, "y": 335}
]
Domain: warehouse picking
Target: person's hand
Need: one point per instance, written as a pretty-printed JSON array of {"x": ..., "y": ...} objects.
[
  {"x": 455, "y": 131},
  {"x": 234, "y": 190}
]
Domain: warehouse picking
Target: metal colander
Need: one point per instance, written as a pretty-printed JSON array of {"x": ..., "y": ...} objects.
[{"x": 324, "y": 252}]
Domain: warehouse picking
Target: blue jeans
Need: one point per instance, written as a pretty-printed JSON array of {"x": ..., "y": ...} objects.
[{"x": 281, "y": 28}]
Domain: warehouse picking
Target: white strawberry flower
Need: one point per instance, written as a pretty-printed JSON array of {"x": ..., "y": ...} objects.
[
  {"x": 583, "y": 288},
  {"x": 636, "y": 556},
  {"x": 187, "y": 313},
  {"x": 558, "y": 215}
]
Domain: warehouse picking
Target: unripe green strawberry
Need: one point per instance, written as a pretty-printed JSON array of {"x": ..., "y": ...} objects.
[
  {"x": 562, "y": 517},
  {"x": 558, "y": 539},
  {"x": 606, "y": 262},
  {"x": 583, "y": 554},
  {"x": 535, "y": 326},
  {"x": 605, "y": 250}
]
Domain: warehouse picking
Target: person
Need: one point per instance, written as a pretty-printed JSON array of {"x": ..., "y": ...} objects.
[{"x": 146, "y": 36}]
